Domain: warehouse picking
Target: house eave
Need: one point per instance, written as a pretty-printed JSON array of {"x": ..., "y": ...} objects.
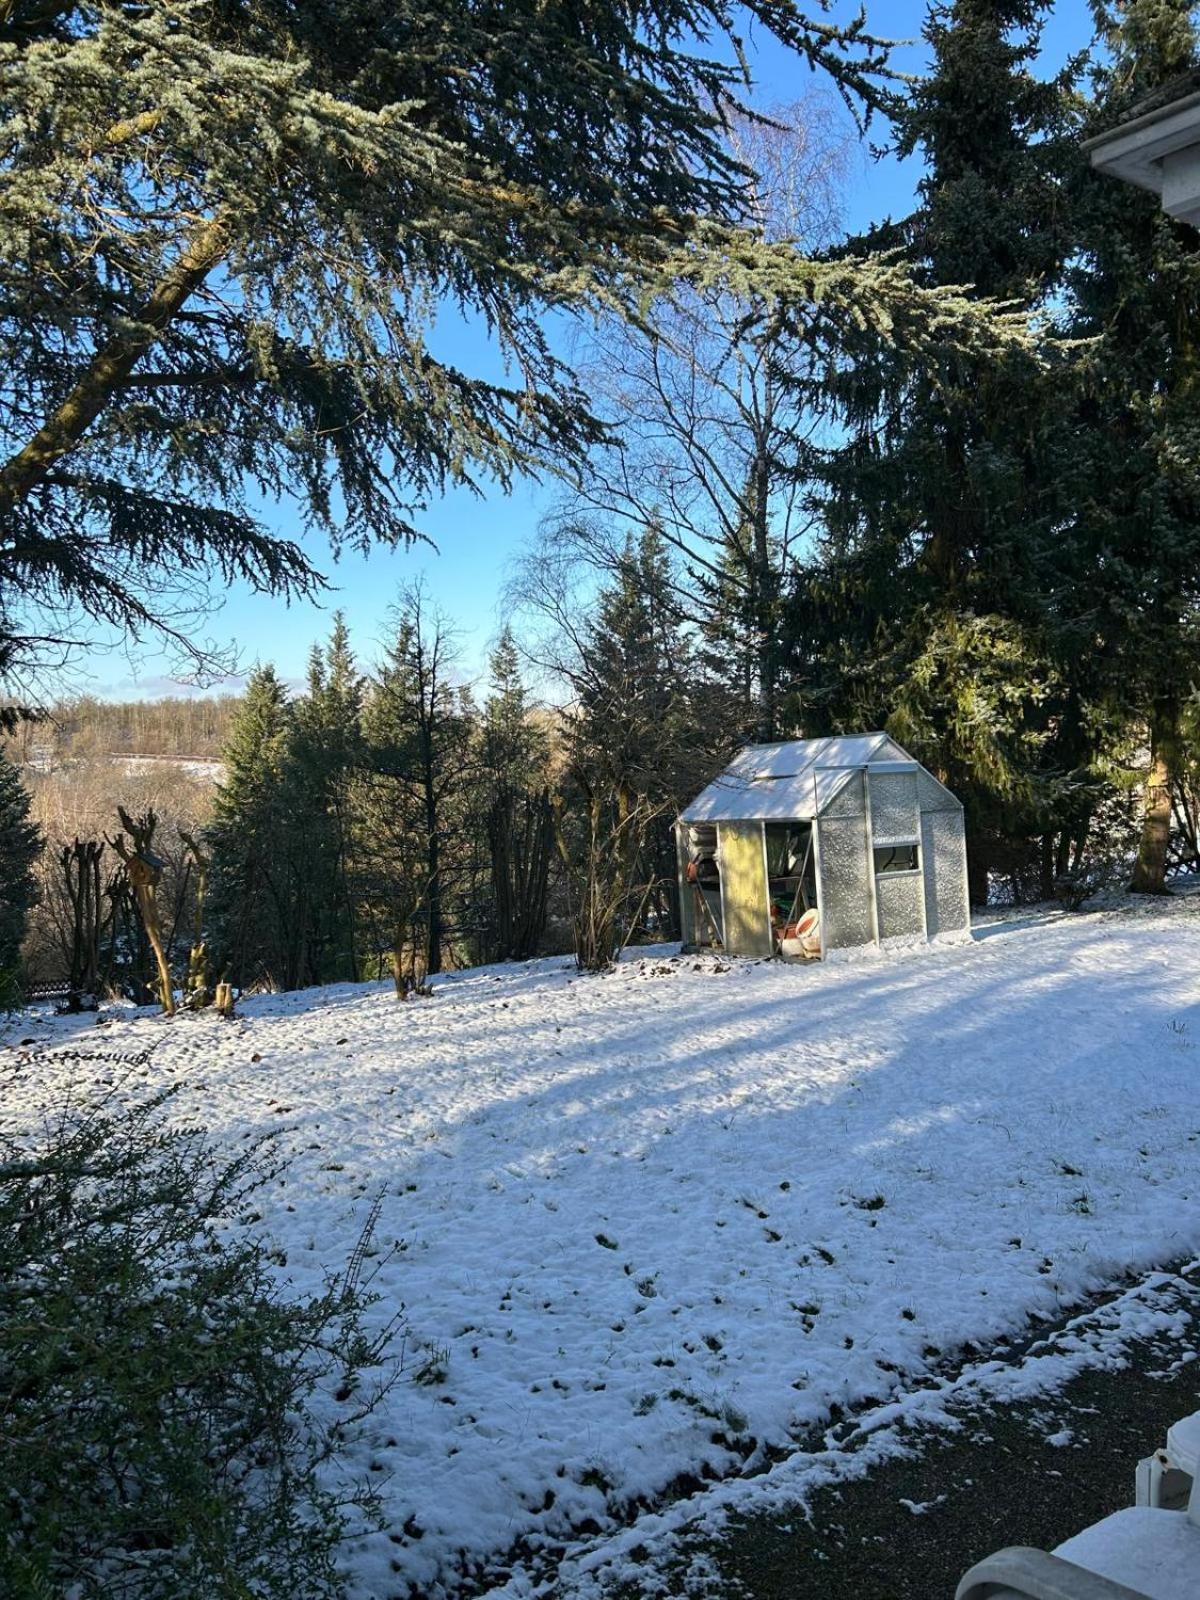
[{"x": 1158, "y": 151}]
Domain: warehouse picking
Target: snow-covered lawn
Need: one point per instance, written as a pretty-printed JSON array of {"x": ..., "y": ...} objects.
[{"x": 653, "y": 1226}]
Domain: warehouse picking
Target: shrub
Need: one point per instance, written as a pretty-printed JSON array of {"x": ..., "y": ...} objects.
[
  {"x": 11, "y": 991},
  {"x": 157, "y": 1391},
  {"x": 1074, "y": 888}
]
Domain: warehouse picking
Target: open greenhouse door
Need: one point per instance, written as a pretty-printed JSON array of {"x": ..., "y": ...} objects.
[
  {"x": 747, "y": 919},
  {"x": 701, "y": 918}
]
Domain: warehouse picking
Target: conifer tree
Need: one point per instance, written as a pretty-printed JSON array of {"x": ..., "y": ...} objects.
[
  {"x": 633, "y": 675},
  {"x": 632, "y": 739},
  {"x": 253, "y": 896},
  {"x": 223, "y": 231},
  {"x": 417, "y": 730},
  {"x": 325, "y": 755},
  {"x": 926, "y": 610},
  {"x": 517, "y": 817},
  {"x": 20, "y": 846},
  {"x": 514, "y": 747},
  {"x": 1131, "y": 611}
]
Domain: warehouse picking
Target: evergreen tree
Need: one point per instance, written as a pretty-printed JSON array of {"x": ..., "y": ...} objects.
[
  {"x": 201, "y": 290},
  {"x": 517, "y": 817},
  {"x": 418, "y": 733},
  {"x": 1130, "y": 611},
  {"x": 926, "y": 611},
  {"x": 254, "y": 897},
  {"x": 20, "y": 846},
  {"x": 324, "y": 757},
  {"x": 998, "y": 140},
  {"x": 633, "y": 676},
  {"x": 631, "y": 739},
  {"x": 742, "y": 617},
  {"x": 514, "y": 748}
]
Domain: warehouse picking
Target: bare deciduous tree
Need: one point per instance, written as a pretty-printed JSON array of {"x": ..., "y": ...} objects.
[
  {"x": 602, "y": 854},
  {"x": 144, "y": 870},
  {"x": 713, "y": 435},
  {"x": 197, "y": 986},
  {"x": 80, "y": 876}
]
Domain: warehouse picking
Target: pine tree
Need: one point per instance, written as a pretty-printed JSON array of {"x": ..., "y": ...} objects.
[
  {"x": 325, "y": 754},
  {"x": 633, "y": 675},
  {"x": 1131, "y": 611},
  {"x": 742, "y": 626},
  {"x": 998, "y": 139},
  {"x": 631, "y": 743},
  {"x": 517, "y": 817},
  {"x": 20, "y": 846},
  {"x": 514, "y": 748}
]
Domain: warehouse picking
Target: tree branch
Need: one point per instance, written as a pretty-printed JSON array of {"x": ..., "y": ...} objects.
[
  {"x": 112, "y": 365},
  {"x": 207, "y": 377}
]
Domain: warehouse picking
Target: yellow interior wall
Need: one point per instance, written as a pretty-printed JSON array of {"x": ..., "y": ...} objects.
[{"x": 744, "y": 889}]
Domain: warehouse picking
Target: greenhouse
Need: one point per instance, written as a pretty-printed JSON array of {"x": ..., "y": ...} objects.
[{"x": 819, "y": 846}]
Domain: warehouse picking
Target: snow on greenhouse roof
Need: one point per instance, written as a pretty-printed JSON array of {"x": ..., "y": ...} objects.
[{"x": 793, "y": 781}]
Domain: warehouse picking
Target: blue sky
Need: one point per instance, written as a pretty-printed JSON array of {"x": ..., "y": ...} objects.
[{"x": 477, "y": 539}]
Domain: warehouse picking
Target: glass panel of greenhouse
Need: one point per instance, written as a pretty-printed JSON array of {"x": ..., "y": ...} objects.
[{"x": 814, "y": 846}]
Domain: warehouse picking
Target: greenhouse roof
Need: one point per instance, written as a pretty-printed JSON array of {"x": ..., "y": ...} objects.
[{"x": 793, "y": 781}]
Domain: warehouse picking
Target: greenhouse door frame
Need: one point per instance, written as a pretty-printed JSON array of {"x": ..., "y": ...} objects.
[{"x": 748, "y": 824}]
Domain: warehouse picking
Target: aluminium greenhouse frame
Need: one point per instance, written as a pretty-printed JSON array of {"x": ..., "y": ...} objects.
[{"x": 856, "y": 829}]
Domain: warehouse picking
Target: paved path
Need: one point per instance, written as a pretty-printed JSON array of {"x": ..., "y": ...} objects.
[
  {"x": 1025, "y": 1450},
  {"x": 997, "y": 1482}
]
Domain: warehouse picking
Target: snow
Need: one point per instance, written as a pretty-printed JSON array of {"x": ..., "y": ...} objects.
[
  {"x": 649, "y": 1557},
  {"x": 921, "y": 1508},
  {"x": 655, "y": 1229},
  {"x": 44, "y": 759},
  {"x": 211, "y": 770}
]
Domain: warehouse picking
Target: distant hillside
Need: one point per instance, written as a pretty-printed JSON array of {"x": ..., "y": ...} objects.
[{"x": 172, "y": 728}]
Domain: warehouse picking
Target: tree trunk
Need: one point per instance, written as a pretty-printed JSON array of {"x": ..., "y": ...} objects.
[
  {"x": 977, "y": 874},
  {"x": 144, "y": 886},
  {"x": 1062, "y": 854},
  {"x": 1046, "y": 872},
  {"x": 80, "y": 866},
  {"x": 767, "y": 646},
  {"x": 520, "y": 838},
  {"x": 143, "y": 870},
  {"x": 433, "y": 898},
  {"x": 197, "y": 987},
  {"x": 1150, "y": 869},
  {"x": 344, "y": 886}
]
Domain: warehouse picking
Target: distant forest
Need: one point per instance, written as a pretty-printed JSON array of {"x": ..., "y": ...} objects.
[
  {"x": 173, "y": 725},
  {"x": 78, "y": 766}
]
